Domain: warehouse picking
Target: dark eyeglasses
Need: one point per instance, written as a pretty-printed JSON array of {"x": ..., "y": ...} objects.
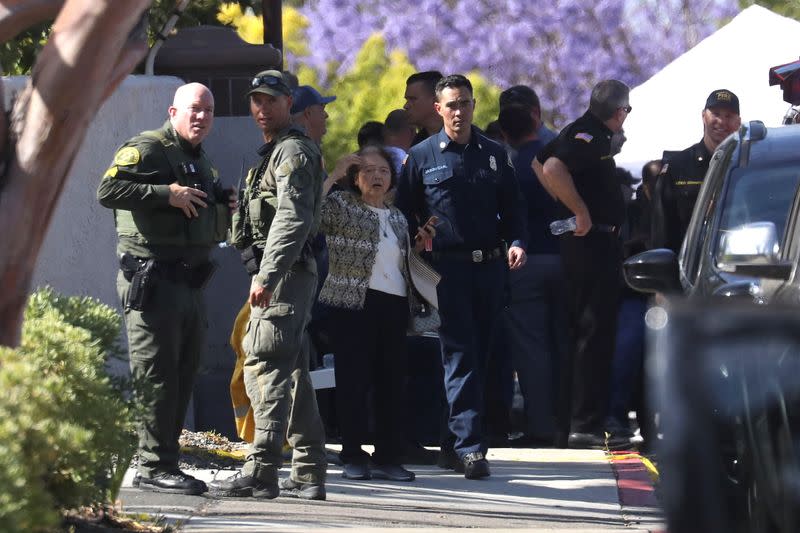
[
  {"x": 626, "y": 108},
  {"x": 266, "y": 80}
]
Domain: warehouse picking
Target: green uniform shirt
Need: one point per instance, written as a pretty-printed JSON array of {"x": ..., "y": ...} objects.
[
  {"x": 136, "y": 186},
  {"x": 295, "y": 174}
]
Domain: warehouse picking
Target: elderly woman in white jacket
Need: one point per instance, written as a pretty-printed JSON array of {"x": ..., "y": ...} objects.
[{"x": 368, "y": 291}]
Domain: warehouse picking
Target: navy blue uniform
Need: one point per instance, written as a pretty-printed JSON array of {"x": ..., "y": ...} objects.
[
  {"x": 473, "y": 191},
  {"x": 536, "y": 318},
  {"x": 592, "y": 266}
]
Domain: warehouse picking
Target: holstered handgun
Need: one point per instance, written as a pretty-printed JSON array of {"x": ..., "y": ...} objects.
[{"x": 140, "y": 273}]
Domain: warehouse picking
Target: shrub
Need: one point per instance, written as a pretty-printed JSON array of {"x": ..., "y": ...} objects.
[{"x": 66, "y": 429}]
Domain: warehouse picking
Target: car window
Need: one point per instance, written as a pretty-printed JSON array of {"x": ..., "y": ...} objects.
[
  {"x": 759, "y": 194},
  {"x": 704, "y": 209}
]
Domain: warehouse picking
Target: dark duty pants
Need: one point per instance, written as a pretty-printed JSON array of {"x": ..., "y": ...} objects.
[
  {"x": 592, "y": 266},
  {"x": 471, "y": 298},
  {"x": 278, "y": 383},
  {"x": 536, "y": 335},
  {"x": 370, "y": 351},
  {"x": 165, "y": 342}
]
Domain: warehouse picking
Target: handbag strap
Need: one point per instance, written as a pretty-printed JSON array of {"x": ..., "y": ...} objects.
[{"x": 407, "y": 259}]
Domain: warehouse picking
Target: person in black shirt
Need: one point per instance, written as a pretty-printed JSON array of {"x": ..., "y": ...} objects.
[
  {"x": 682, "y": 172},
  {"x": 526, "y": 97},
  {"x": 420, "y": 103},
  {"x": 578, "y": 169},
  {"x": 535, "y": 321}
]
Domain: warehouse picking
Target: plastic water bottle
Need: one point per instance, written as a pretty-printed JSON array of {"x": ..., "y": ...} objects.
[{"x": 557, "y": 227}]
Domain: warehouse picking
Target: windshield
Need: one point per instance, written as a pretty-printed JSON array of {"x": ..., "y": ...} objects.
[{"x": 760, "y": 195}]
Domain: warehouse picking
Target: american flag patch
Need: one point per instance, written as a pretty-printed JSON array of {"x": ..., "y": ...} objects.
[{"x": 584, "y": 137}]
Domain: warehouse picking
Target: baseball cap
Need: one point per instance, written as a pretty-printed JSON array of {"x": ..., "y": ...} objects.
[
  {"x": 520, "y": 95},
  {"x": 269, "y": 82},
  {"x": 723, "y": 98},
  {"x": 306, "y": 96}
]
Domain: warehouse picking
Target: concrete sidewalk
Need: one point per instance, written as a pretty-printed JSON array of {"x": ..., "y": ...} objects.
[{"x": 535, "y": 490}]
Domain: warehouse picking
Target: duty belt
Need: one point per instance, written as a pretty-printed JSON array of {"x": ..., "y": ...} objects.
[
  {"x": 176, "y": 271},
  {"x": 605, "y": 228},
  {"x": 474, "y": 256}
]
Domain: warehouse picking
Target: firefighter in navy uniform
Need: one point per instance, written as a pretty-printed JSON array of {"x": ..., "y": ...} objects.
[
  {"x": 170, "y": 211},
  {"x": 682, "y": 173},
  {"x": 468, "y": 182}
]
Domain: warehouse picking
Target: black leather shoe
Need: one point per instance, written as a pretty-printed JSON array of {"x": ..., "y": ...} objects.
[
  {"x": 356, "y": 471},
  {"x": 448, "y": 459},
  {"x": 620, "y": 442},
  {"x": 416, "y": 454},
  {"x": 241, "y": 486},
  {"x": 597, "y": 441},
  {"x": 475, "y": 466},
  {"x": 171, "y": 482},
  {"x": 392, "y": 473},
  {"x": 304, "y": 491}
]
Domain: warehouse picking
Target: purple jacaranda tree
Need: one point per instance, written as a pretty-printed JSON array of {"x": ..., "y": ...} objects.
[{"x": 559, "y": 47}]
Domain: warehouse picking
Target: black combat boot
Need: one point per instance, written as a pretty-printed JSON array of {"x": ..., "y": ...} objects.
[
  {"x": 241, "y": 486},
  {"x": 171, "y": 482}
]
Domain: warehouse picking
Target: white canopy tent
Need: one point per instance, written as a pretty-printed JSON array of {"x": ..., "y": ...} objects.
[{"x": 667, "y": 107}]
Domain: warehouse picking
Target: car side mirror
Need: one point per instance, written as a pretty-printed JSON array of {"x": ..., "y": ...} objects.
[
  {"x": 752, "y": 249},
  {"x": 653, "y": 271}
]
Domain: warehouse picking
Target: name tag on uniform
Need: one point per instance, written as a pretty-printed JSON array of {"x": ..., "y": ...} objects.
[
  {"x": 433, "y": 169},
  {"x": 436, "y": 175}
]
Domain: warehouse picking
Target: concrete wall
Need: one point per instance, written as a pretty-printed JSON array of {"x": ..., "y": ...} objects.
[{"x": 78, "y": 256}]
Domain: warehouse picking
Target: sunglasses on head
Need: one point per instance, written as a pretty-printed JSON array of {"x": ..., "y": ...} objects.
[{"x": 266, "y": 80}]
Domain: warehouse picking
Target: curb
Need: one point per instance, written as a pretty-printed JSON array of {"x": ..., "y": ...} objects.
[{"x": 635, "y": 477}]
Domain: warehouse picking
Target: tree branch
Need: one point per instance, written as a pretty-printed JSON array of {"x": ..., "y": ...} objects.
[
  {"x": 87, "y": 56},
  {"x": 19, "y": 15},
  {"x": 3, "y": 133}
]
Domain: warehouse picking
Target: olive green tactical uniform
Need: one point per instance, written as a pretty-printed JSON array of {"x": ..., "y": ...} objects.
[
  {"x": 277, "y": 345},
  {"x": 167, "y": 337}
]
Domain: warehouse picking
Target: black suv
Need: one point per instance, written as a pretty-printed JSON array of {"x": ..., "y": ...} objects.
[
  {"x": 742, "y": 240},
  {"x": 732, "y": 363}
]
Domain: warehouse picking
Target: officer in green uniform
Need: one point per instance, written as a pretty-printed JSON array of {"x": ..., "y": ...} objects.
[
  {"x": 281, "y": 217},
  {"x": 169, "y": 211},
  {"x": 682, "y": 173}
]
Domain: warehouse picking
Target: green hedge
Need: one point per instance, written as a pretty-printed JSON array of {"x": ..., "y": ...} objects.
[{"x": 65, "y": 425}]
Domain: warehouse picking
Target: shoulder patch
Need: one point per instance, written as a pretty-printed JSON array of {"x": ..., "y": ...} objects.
[
  {"x": 291, "y": 164},
  {"x": 214, "y": 172},
  {"x": 127, "y": 156},
  {"x": 584, "y": 137}
]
